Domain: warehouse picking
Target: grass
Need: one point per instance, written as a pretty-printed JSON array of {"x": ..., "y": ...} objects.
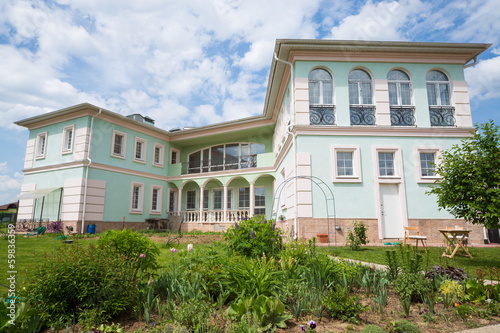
[{"x": 482, "y": 257}]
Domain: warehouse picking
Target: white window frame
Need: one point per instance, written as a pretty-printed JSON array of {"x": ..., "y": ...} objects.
[
  {"x": 159, "y": 200},
  {"x": 140, "y": 199},
  {"x": 124, "y": 145},
  {"x": 436, "y": 85},
  {"x": 41, "y": 145},
  {"x": 255, "y": 201},
  {"x": 68, "y": 140},
  {"x": 437, "y": 151},
  {"x": 195, "y": 199},
  {"x": 397, "y": 83},
  {"x": 161, "y": 147},
  {"x": 172, "y": 194},
  {"x": 359, "y": 88},
  {"x": 144, "y": 146},
  {"x": 178, "y": 152},
  {"x": 356, "y": 164},
  {"x": 398, "y": 166}
]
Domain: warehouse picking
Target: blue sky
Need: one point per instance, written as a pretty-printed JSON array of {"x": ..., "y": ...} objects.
[{"x": 192, "y": 63}]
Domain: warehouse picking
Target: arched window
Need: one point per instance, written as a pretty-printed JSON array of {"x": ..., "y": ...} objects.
[
  {"x": 362, "y": 110},
  {"x": 360, "y": 87},
  {"x": 402, "y": 112},
  {"x": 438, "y": 88},
  {"x": 320, "y": 87},
  {"x": 399, "y": 88},
  {"x": 438, "y": 95},
  {"x": 321, "y": 109}
]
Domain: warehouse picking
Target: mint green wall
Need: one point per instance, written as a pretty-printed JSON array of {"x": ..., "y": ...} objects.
[
  {"x": 53, "y": 153},
  {"x": 357, "y": 200},
  {"x": 118, "y": 195},
  {"x": 54, "y": 178},
  {"x": 102, "y": 140},
  {"x": 417, "y": 72}
]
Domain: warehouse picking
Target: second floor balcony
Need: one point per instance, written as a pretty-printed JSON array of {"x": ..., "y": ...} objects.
[{"x": 225, "y": 164}]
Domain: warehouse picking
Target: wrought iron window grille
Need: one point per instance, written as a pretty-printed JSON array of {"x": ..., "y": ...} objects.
[
  {"x": 362, "y": 114},
  {"x": 403, "y": 116},
  {"x": 322, "y": 115},
  {"x": 442, "y": 115}
]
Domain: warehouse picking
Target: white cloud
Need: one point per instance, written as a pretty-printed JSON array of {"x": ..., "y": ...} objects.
[
  {"x": 484, "y": 79},
  {"x": 11, "y": 184},
  {"x": 378, "y": 21}
]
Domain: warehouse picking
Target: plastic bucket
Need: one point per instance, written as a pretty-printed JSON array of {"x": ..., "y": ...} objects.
[{"x": 91, "y": 229}]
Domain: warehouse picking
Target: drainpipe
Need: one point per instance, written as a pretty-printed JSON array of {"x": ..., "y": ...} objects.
[
  {"x": 294, "y": 140},
  {"x": 89, "y": 146}
]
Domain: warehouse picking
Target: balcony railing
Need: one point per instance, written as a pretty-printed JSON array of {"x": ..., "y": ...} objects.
[
  {"x": 213, "y": 216},
  {"x": 243, "y": 162},
  {"x": 362, "y": 114},
  {"x": 402, "y": 116},
  {"x": 442, "y": 115},
  {"x": 322, "y": 115}
]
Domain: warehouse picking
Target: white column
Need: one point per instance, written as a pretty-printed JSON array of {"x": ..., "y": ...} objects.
[
  {"x": 224, "y": 203},
  {"x": 252, "y": 199},
  {"x": 179, "y": 200},
  {"x": 201, "y": 204}
]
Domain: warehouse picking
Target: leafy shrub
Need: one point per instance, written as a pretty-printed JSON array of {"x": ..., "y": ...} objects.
[
  {"x": 339, "y": 304},
  {"x": 88, "y": 283},
  {"x": 55, "y": 227},
  {"x": 403, "y": 326},
  {"x": 372, "y": 329},
  {"x": 140, "y": 251},
  {"x": 267, "y": 311},
  {"x": 405, "y": 260},
  {"x": 357, "y": 237},
  {"x": 254, "y": 237},
  {"x": 411, "y": 287},
  {"x": 450, "y": 273}
]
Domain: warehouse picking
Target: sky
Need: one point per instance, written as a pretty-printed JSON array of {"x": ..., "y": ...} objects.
[{"x": 199, "y": 62}]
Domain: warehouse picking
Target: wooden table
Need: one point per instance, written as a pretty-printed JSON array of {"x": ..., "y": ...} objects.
[{"x": 455, "y": 239}]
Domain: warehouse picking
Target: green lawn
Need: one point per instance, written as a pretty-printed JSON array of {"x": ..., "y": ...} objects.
[{"x": 482, "y": 257}]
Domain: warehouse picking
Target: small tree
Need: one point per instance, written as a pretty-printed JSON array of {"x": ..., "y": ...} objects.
[{"x": 470, "y": 183}]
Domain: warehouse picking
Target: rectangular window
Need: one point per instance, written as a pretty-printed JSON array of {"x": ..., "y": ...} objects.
[
  {"x": 68, "y": 139},
  {"x": 244, "y": 197},
  {"x": 174, "y": 156},
  {"x": 427, "y": 164},
  {"x": 205, "y": 199},
  {"x": 426, "y": 159},
  {"x": 140, "y": 150},
  {"x": 229, "y": 198},
  {"x": 41, "y": 145},
  {"x": 172, "y": 201},
  {"x": 158, "y": 154},
  {"x": 386, "y": 164},
  {"x": 137, "y": 198},
  {"x": 118, "y": 145},
  {"x": 156, "y": 198},
  {"x": 217, "y": 198},
  {"x": 190, "y": 200},
  {"x": 260, "y": 201},
  {"x": 346, "y": 164}
]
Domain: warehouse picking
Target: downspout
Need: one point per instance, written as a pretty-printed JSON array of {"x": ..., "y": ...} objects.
[
  {"x": 89, "y": 146},
  {"x": 294, "y": 140}
]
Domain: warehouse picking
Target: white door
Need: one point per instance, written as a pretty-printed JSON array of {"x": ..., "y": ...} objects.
[{"x": 390, "y": 210}]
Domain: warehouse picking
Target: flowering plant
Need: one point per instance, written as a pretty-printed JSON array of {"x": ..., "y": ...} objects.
[{"x": 310, "y": 326}]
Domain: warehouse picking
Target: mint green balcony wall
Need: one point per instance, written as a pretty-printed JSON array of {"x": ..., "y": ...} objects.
[{"x": 417, "y": 72}]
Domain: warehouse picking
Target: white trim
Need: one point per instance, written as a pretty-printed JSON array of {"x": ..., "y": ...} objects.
[
  {"x": 66, "y": 138},
  {"x": 177, "y": 160},
  {"x": 418, "y": 168},
  {"x": 356, "y": 177},
  {"x": 140, "y": 199},
  {"x": 398, "y": 164},
  {"x": 143, "y": 152},
  {"x": 40, "y": 151},
  {"x": 161, "y": 162},
  {"x": 159, "y": 200},
  {"x": 123, "y": 147}
]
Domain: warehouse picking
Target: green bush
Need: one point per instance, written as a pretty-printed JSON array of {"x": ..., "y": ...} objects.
[
  {"x": 81, "y": 283},
  {"x": 339, "y": 304},
  {"x": 140, "y": 251},
  {"x": 254, "y": 237},
  {"x": 357, "y": 237},
  {"x": 403, "y": 326}
]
